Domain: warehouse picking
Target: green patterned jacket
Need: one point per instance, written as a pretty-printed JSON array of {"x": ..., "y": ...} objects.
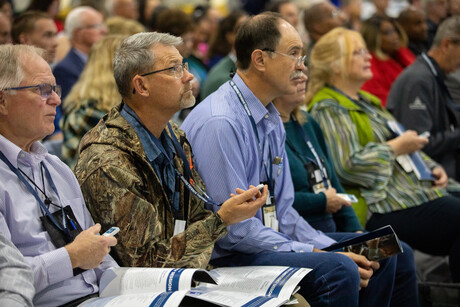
[{"x": 121, "y": 189}]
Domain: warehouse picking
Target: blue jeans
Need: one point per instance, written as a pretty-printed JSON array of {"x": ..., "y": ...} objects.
[{"x": 334, "y": 280}]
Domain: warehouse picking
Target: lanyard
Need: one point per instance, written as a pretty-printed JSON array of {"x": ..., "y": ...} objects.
[
  {"x": 34, "y": 193},
  {"x": 271, "y": 182},
  {"x": 198, "y": 192},
  {"x": 318, "y": 162},
  {"x": 441, "y": 83}
]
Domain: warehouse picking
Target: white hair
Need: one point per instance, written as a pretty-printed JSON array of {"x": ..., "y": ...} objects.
[{"x": 73, "y": 20}]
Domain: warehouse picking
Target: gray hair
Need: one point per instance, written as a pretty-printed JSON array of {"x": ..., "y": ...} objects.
[
  {"x": 73, "y": 20},
  {"x": 449, "y": 28},
  {"x": 134, "y": 57},
  {"x": 11, "y": 63}
]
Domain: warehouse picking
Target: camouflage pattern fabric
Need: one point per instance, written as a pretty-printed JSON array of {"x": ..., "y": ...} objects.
[{"x": 121, "y": 189}]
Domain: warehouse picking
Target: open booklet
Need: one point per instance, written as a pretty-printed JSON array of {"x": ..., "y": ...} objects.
[
  {"x": 375, "y": 245},
  {"x": 236, "y": 286}
]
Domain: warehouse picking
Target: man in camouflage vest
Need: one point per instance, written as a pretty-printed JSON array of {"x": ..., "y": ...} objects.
[{"x": 136, "y": 170}]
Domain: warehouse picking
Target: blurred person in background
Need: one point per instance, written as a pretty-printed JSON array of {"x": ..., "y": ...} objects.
[
  {"x": 123, "y": 8},
  {"x": 413, "y": 22},
  {"x": 319, "y": 19},
  {"x": 50, "y": 7},
  {"x": 38, "y": 29},
  {"x": 5, "y": 29},
  {"x": 454, "y": 7},
  {"x": 352, "y": 9},
  {"x": 84, "y": 26},
  {"x": 288, "y": 9},
  {"x": 221, "y": 42},
  {"x": 91, "y": 98},
  {"x": 146, "y": 8},
  {"x": 123, "y": 26},
  {"x": 386, "y": 43},
  {"x": 5, "y": 8},
  {"x": 222, "y": 71},
  {"x": 436, "y": 12}
]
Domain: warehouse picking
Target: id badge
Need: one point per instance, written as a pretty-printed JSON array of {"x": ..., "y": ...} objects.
[
  {"x": 269, "y": 213},
  {"x": 179, "y": 226},
  {"x": 57, "y": 236},
  {"x": 319, "y": 187}
]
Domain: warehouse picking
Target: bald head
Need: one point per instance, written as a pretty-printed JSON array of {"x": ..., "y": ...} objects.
[
  {"x": 413, "y": 21},
  {"x": 322, "y": 17}
]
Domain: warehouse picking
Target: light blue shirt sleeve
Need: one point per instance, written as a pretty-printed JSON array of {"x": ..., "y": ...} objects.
[{"x": 227, "y": 156}]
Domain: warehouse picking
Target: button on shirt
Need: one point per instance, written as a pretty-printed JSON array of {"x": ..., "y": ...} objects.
[
  {"x": 227, "y": 156},
  {"x": 20, "y": 222}
]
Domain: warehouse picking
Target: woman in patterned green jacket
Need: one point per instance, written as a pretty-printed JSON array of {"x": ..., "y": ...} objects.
[{"x": 366, "y": 153}]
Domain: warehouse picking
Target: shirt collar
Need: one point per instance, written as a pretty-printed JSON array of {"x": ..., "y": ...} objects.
[
  {"x": 151, "y": 150},
  {"x": 17, "y": 156},
  {"x": 255, "y": 106},
  {"x": 81, "y": 55},
  {"x": 259, "y": 112}
]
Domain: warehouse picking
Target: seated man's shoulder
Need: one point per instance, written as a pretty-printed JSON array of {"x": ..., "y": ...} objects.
[{"x": 111, "y": 144}]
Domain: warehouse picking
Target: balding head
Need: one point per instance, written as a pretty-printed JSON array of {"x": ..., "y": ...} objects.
[
  {"x": 322, "y": 17},
  {"x": 413, "y": 21},
  {"x": 84, "y": 26}
]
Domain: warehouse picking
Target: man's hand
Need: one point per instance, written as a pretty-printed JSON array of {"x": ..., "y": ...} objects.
[
  {"x": 407, "y": 143},
  {"x": 88, "y": 249},
  {"x": 334, "y": 202},
  {"x": 243, "y": 205},
  {"x": 440, "y": 176},
  {"x": 365, "y": 267}
]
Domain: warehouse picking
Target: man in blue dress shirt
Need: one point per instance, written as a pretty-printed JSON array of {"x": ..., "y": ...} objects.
[{"x": 238, "y": 140}]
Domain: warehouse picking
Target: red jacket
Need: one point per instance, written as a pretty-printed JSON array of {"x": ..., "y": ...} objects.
[{"x": 385, "y": 73}]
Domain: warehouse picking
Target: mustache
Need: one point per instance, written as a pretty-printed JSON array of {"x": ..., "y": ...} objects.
[{"x": 297, "y": 74}]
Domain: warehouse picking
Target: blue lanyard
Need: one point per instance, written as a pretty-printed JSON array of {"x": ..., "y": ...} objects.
[
  {"x": 271, "y": 182},
  {"x": 34, "y": 193},
  {"x": 198, "y": 192},
  {"x": 318, "y": 162}
]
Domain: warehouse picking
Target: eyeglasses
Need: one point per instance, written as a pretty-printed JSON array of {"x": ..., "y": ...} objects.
[
  {"x": 299, "y": 60},
  {"x": 177, "y": 69},
  {"x": 361, "y": 52},
  {"x": 46, "y": 89},
  {"x": 97, "y": 26}
]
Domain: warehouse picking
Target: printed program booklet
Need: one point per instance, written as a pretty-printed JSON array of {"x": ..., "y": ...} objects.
[
  {"x": 375, "y": 245},
  {"x": 235, "y": 286}
]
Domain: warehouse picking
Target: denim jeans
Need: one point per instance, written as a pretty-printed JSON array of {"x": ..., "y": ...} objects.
[{"x": 334, "y": 280}]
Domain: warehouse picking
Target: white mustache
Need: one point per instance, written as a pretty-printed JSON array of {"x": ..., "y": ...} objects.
[{"x": 296, "y": 74}]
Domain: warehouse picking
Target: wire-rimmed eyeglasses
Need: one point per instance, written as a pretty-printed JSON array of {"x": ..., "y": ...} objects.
[
  {"x": 299, "y": 60},
  {"x": 46, "y": 89},
  {"x": 178, "y": 70}
]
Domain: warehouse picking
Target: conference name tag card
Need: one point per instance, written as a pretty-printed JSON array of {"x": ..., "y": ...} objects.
[
  {"x": 179, "y": 226},
  {"x": 269, "y": 213}
]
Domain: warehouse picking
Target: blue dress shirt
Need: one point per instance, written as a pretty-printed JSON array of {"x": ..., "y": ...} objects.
[
  {"x": 20, "y": 222},
  {"x": 227, "y": 156}
]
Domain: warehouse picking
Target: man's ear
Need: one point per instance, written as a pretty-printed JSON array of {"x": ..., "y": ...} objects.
[
  {"x": 258, "y": 59},
  {"x": 445, "y": 43},
  {"x": 139, "y": 87},
  {"x": 3, "y": 103}
]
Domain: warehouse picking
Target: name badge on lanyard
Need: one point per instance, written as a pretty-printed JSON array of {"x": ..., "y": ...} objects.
[
  {"x": 317, "y": 180},
  {"x": 179, "y": 226},
  {"x": 269, "y": 213}
]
